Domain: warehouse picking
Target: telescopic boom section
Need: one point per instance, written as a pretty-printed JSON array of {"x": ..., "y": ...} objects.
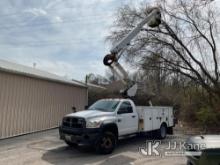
[{"x": 111, "y": 60}]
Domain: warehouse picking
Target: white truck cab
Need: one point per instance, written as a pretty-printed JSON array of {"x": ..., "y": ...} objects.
[{"x": 108, "y": 120}]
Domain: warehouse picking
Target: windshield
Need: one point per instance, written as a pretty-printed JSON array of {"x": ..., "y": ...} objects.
[{"x": 104, "y": 105}]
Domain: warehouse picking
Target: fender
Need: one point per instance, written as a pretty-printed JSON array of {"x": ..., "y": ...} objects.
[{"x": 112, "y": 127}]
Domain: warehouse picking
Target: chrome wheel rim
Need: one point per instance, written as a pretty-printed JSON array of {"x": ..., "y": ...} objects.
[{"x": 106, "y": 142}]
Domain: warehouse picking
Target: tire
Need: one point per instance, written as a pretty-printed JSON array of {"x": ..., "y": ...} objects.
[
  {"x": 162, "y": 132},
  {"x": 106, "y": 143},
  {"x": 71, "y": 144}
]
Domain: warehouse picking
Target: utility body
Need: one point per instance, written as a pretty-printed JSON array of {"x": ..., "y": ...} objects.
[{"x": 108, "y": 120}]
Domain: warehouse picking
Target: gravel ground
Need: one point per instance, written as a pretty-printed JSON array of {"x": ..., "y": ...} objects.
[{"x": 45, "y": 148}]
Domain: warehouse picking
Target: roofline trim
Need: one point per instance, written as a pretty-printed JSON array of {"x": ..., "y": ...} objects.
[{"x": 42, "y": 77}]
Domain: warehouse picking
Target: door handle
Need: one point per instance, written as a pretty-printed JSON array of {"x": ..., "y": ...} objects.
[
  {"x": 119, "y": 120},
  {"x": 133, "y": 116}
]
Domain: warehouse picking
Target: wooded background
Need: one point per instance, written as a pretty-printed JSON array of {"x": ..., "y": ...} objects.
[{"x": 175, "y": 64}]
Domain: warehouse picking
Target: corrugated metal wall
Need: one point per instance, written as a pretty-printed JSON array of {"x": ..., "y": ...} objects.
[{"x": 29, "y": 104}]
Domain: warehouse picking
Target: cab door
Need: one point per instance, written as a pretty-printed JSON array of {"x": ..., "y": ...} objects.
[{"x": 127, "y": 119}]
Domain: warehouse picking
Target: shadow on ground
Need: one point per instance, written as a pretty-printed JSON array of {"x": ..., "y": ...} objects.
[
  {"x": 126, "y": 152},
  {"x": 66, "y": 155}
]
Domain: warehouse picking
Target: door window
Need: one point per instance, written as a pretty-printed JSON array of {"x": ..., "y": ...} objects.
[{"x": 125, "y": 107}]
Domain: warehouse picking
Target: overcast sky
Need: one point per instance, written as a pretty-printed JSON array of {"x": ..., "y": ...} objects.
[{"x": 66, "y": 37}]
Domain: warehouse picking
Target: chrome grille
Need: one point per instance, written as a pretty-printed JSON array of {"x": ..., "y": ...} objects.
[{"x": 74, "y": 122}]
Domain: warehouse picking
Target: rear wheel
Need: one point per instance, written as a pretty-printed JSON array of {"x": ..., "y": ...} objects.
[
  {"x": 106, "y": 143},
  {"x": 162, "y": 132}
]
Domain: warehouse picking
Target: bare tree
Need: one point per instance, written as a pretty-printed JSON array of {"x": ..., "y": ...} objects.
[{"x": 184, "y": 43}]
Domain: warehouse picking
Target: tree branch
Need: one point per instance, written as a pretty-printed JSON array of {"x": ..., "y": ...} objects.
[{"x": 174, "y": 36}]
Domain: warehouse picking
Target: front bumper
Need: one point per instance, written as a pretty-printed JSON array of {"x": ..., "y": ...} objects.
[{"x": 80, "y": 136}]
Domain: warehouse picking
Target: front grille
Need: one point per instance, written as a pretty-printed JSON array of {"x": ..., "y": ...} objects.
[{"x": 74, "y": 122}]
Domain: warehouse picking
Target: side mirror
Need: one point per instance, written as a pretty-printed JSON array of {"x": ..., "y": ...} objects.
[
  {"x": 74, "y": 109},
  {"x": 86, "y": 107},
  {"x": 121, "y": 111},
  {"x": 130, "y": 110}
]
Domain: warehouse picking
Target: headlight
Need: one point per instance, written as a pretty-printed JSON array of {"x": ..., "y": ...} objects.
[{"x": 93, "y": 124}]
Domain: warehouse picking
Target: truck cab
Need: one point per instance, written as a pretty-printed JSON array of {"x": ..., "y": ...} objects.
[
  {"x": 126, "y": 117},
  {"x": 104, "y": 122}
]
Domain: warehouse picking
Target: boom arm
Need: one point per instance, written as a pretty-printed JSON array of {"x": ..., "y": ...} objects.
[
  {"x": 153, "y": 16},
  {"x": 111, "y": 60}
]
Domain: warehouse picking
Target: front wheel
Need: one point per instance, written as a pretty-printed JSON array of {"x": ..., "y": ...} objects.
[{"x": 106, "y": 143}]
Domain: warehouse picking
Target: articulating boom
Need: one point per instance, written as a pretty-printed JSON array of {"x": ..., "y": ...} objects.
[{"x": 111, "y": 60}]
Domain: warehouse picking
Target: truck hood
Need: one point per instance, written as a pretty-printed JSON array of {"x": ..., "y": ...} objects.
[{"x": 87, "y": 114}]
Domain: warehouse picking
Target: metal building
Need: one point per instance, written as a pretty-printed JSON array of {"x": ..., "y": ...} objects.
[{"x": 32, "y": 100}]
